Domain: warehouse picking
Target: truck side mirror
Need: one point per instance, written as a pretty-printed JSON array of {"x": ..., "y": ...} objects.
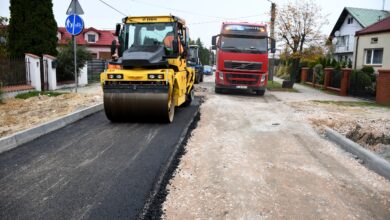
[
  {"x": 175, "y": 46},
  {"x": 214, "y": 41},
  {"x": 117, "y": 29},
  {"x": 273, "y": 45},
  {"x": 113, "y": 47}
]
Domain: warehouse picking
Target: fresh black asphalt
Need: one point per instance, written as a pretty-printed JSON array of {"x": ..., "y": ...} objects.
[{"x": 91, "y": 169}]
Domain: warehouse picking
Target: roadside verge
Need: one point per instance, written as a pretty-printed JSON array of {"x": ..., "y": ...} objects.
[
  {"x": 9, "y": 142},
  {"x": 373, "y": 161}
]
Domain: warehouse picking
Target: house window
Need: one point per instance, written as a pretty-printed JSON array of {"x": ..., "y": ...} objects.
[
  {"x": 374, "y": 40},
  {"x": 350, "y": 20},
  {"x": 374, "y": 56},
  {"x": 343, "y": 41},
  {"x": 91, "y": 38}
]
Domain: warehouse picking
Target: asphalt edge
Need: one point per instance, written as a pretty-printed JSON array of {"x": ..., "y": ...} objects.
[
  {"x": 373, "y": 161},
  {"x": 12, "y": 141},
  {"x": 165, "y": 171}
]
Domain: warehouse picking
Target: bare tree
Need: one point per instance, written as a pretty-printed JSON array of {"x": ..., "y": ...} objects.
[{"x": 298, "y": 25}]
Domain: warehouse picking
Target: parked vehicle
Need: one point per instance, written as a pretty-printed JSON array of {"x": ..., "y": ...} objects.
[
  {"x": 207, "y": 70},
  {"x": 242, "y": 57},
  {"x": 194, "y": 62}
]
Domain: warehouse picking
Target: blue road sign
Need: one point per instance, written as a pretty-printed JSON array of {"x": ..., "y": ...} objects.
[{"x": 74, "y": 24}]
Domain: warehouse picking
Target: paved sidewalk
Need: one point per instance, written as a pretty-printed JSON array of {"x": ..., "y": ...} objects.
[
  {"x": 93, "y": 88},
  {"x": 307, "y": 93}
]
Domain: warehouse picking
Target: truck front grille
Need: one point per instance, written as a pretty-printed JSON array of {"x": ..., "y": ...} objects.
[
  {"x": 242, "y": 79},
  {"x": 243, "y": 65}
]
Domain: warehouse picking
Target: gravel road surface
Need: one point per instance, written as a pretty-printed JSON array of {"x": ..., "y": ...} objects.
[
  {"x": 92, "y": 169},
  {"x": 255, "y": 158}
]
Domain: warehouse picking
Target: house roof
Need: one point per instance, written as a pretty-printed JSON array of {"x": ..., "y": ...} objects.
[
  {"x": 105, "y": 37},
  {"x": 363, "y": 16},
  {"x": 378, "y": 27}
]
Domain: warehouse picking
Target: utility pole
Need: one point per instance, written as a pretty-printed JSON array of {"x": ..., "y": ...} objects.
[{"x": 272, "y": 35}]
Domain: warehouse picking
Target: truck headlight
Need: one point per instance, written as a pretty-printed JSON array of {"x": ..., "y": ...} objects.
[
  {"x": 220, "y": 75},
  {"x": 115, "y": 76},
  {"x": 263, "y": 78},
  {"x": 155, "y": 76}
]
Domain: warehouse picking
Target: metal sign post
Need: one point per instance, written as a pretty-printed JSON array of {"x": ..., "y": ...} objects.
[{"x": 74, "y": 24}]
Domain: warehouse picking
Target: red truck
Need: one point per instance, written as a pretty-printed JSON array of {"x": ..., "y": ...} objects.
[{"x": 242, "y": 57}]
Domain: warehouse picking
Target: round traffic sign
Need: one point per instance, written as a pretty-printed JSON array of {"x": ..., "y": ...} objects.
[{"x": 74, "y": 24}]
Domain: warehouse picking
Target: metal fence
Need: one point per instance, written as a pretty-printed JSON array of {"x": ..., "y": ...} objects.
[
  {"x": 95, "y": 67},
  {"x": 362, "y": 86},
  {"x": 310, "y": 74},
  {"x": 335, "y": 79},
  {"x": 13, "y": 72}
]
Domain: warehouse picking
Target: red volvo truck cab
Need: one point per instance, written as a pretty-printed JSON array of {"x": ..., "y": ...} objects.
[{"x": 242, "y": 57}]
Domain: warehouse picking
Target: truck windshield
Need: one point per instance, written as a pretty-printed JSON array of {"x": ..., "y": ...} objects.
[
  {"x": 244, "y": 44},
  {"x": 148, "y": 34}
]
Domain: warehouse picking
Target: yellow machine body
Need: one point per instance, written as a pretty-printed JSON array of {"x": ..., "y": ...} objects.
[{"x": 148, "y": 92}]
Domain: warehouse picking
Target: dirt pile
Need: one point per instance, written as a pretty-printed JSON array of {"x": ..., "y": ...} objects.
[
  {"x": 19, "y": 114},
  {"x": 367, "y": 126}
]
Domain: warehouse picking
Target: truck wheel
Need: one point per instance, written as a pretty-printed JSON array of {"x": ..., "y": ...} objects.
[
  {"x": 260, "y": 92},
  {"x": 218, "y": 90},
  {"x": 189, "y": 97},
  {"x": 201, "y": 78},
  {"x": 196, "y": 78}
]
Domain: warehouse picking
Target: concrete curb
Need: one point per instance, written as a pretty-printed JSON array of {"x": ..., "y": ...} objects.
[
  {"x": 373, "y": 161},
  {"x": 21, "y": 137}
]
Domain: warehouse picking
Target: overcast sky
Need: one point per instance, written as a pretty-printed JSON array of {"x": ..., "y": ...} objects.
[{"x": 203, "y": 17}]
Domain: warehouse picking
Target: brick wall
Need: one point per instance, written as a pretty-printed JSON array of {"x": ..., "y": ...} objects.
[{"x": 383, "y": 87}]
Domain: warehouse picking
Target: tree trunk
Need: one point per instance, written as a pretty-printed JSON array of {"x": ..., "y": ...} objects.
[{"x": 294, "y": 70}]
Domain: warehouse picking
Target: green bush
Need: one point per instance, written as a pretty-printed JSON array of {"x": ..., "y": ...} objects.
[
  {"x": 318, "y": 70},
  {"x": 282, "y": 71},
  {"x": 359, "y": 80},
  {"x": 368, "y": 69},
  {"x": 65, "y": 61}
]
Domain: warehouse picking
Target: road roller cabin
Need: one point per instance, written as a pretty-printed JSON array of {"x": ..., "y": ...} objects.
[{"x": 148, "y": 76}]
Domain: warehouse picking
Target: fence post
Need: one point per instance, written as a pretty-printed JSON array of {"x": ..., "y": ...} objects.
[
  {"x": 344, "y": 85},
  {"x": 34, "y": 67},
  {"x": 304, "y": 71},
  {"x": 328, "y": 75},
  {"x": 51, "y": 71},
  {"x": 83, "y": 76},
  {"x": 383, "y": 87}
]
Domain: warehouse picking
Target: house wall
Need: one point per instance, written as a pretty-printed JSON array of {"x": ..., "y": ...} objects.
[
  {"x": 98, "y": 51},
  {"x": 348, "y": 30},
  {"x": 365, "y": 43}
]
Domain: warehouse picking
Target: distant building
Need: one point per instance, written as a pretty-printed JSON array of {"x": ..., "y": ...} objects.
[
  {"x": 373, "y": 46},
  {"x": 350, "y": 21},
  {"x": 98, "y": 42}
]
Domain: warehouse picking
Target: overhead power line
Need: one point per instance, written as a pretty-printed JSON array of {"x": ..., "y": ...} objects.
[
  {"x": 215, "y": 21},
  {"x": 175, "y": 9},
  {"x": 112, "y": 7}
]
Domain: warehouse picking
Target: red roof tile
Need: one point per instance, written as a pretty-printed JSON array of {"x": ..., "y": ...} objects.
[
  {"x": 378, "y": 27},
  {"x": 105, "y": 37}
]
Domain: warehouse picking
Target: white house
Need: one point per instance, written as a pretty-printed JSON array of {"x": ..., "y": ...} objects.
[{"x": 350, "y": 21}]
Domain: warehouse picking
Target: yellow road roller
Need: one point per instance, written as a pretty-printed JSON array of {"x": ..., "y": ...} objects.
[{"x": 148, "y": 76}]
